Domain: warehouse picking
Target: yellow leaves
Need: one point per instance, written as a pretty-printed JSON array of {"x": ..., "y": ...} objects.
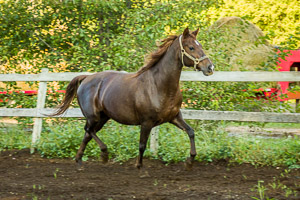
[
  {"x": 92, "y": 43},
  {"x": 60, "y": 66},
  {"x": 90, "y": 24},
  {"x": 49, "y": 9},
  {"x": 69, "y": 43},
  {"x": 167, "y": 29},
  {"x": 134, "y": 6},
  {"x": 56, "y": 26},
  {"x": 268, "y": 15},
  {"x": 43, "y": 31},
  {"x": 41, "y": 13}
]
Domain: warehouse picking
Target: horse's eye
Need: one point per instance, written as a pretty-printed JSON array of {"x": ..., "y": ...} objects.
[{"x": 192, "y": 48}]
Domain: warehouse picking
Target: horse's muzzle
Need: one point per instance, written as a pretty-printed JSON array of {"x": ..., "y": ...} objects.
[
  {"x": 208, "y": 71},
  {"x": 211, "y": 69}
]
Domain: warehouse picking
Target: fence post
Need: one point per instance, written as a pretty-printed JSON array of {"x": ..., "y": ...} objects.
[
  {"x": 154, "y": 140},
  {"x": 41, "y": 98}
]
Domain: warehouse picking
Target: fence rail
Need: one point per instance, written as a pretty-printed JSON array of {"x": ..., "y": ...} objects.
[
  {"x": 187, "y": 114},
  {"x": 235, "y": 76},
  {"x": 44, "y": 77}
]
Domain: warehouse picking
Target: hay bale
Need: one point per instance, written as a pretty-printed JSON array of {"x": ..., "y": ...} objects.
[{"x": 243, "y": 43}]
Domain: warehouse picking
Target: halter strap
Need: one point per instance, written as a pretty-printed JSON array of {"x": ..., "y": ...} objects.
[{"x": 183, "y": 52}]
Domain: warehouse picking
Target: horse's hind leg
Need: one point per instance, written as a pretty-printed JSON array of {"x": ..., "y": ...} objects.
[
  {"x": 102, "y": 145},
  {"x": 87, "y": 137},
  {"x": 91, "y": 128}
]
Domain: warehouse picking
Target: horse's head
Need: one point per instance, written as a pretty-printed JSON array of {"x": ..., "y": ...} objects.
[{"x": 192, "y": 53}]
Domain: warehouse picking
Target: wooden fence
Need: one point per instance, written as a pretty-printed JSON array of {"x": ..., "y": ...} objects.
[{"x": 45, "y": 76}]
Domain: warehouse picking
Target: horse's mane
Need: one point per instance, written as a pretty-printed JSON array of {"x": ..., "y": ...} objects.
[{"x": 155, "y": 56}]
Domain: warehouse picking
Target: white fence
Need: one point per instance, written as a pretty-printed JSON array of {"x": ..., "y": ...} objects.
[{"x": 45, "y": 76}]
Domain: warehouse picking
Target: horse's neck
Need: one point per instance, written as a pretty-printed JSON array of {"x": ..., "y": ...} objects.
[{"x": 166, "y": 73}]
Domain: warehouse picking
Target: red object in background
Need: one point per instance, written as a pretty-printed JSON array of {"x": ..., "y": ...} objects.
[
  {"x": 270, "y": 92},
  {"x": 291, "y": 63}
]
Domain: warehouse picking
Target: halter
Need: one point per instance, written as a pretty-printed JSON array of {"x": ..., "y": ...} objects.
[{"x": 183, "y": 52}]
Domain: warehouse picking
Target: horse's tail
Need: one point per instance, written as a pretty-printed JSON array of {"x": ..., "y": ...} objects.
[{"x": 69, "y": 96}]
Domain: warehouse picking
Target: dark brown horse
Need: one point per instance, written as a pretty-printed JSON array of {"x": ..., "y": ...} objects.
[{"x": 148, "y": 98}]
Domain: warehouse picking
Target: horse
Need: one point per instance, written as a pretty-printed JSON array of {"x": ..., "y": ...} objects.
[{"x": 148, "y": 98}]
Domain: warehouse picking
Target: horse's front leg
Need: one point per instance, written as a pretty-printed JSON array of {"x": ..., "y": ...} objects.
[
  {"x": 180, "y": 123},
  {"x": 144, "y": 135}
]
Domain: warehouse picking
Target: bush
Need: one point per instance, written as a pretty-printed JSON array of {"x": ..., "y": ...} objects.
[{"x": 278, "y": 19}]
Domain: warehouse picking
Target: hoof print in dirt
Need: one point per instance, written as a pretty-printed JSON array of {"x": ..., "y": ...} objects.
[{"x": 144, "y": 174}]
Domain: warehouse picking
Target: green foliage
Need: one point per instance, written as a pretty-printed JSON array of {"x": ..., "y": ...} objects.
[
  {"x": 14, "y": 138},
  {"x": 278, "y": 19},
  {"x": 89, "y": 35}
]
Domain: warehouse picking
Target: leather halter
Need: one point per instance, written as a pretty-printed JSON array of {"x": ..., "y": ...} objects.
[{"x": 183, "y": 52}]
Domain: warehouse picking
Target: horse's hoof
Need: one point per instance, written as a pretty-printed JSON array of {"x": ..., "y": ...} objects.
[
  {"x": 79, "y": 165},
  {"x": 138, "y": 165},
  {"x": 189, "y": 164},
  {"x": 104, "y": 157},
  {"x": 78, "y": 161}
]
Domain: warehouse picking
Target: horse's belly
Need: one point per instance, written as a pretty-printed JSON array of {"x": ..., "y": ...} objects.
[
  {"x": 121, "y": 110},
  {"x": 122, "y": 116}
]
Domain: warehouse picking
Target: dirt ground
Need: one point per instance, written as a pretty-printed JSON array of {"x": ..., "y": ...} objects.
[{"x": 28, "y": 176}]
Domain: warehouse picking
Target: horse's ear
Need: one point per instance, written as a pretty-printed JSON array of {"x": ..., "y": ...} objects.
[
  {"x": 186, "y": 33},
  {"x": 195, "y": 33}
]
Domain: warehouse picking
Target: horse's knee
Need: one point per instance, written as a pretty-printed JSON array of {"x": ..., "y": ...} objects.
[
  {"x": 191, "y": 133},
  {"x": 193, "y": 154},
  {"x": 104, "y": 148}
]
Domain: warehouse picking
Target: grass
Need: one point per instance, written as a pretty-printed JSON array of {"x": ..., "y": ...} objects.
[
  {"x": 262, "y": 188},
  {"x": 14, "y": 137},
  {"x": 282, "y": 125},
  {"x": 63, "y": 139}
]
